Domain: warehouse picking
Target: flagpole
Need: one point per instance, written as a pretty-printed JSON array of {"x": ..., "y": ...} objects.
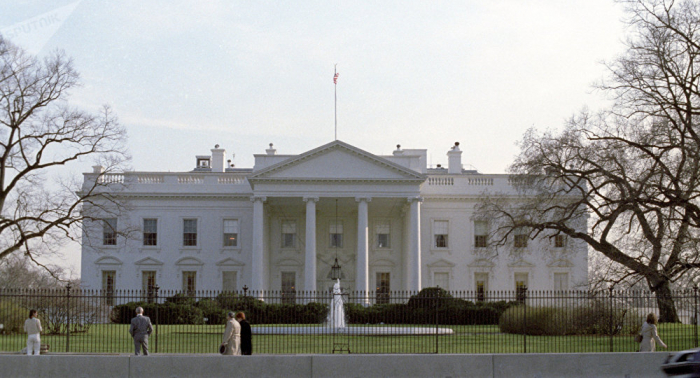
[{"x": 335, "y": 94}]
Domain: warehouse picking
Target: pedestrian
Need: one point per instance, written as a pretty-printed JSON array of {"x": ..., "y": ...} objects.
[
  {"x": 246, "y": 334},
  {"x": 650, "y": 335},
  {"x": 140, "y": 329},
  {"x": 33, "y": 328},
  {"x": 232, "y": 336}
]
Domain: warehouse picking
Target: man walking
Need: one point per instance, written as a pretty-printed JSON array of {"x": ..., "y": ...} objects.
[{"x": 140, "y": 330}]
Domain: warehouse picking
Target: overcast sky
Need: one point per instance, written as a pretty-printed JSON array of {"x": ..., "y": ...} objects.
[{"x": 184, "y": 76}]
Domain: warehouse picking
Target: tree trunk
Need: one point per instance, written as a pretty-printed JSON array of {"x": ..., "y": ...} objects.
[{"x": 667, "y": 308}]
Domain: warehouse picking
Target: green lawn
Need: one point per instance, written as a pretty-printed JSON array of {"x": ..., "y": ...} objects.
[{"x": 114, "y": 338}]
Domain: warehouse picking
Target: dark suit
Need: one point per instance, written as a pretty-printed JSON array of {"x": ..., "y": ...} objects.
[
  {"x": 246, "y": 338},
  {"x": 140, "y": 330}
]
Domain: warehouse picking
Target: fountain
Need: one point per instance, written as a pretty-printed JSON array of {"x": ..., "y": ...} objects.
[{"x": 335, "y": 324}]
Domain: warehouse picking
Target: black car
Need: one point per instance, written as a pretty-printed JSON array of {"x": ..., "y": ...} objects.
[{"x": 685, "y": 364}]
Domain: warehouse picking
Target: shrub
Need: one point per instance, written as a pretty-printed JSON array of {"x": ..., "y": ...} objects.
[
  {"x": 591, "y": 320},
  {"x": 12, "y": 316}
]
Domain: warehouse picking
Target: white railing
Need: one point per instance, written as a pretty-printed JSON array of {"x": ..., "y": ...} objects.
[
  {"x": 231, "y": 180},
  {"x": 479, "y": 181},
  {"x": 150, "y": 179},
  {"x": 190, "y": 180},
  {"x": 441, "y": 181},
  {"x": 112, "y": 178}
]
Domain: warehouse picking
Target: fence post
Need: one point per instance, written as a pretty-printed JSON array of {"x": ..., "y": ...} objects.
[
  {"x": 695, "y": 315},
  {"x": 155, "y": 326},
  {"x": 437, "y": 315},
  {"x": 611, "y": 318},
  {"x": 524, "y": 322},
  {"x": 68, "y": 317}
]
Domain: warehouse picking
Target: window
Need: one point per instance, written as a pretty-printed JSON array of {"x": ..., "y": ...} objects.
[
  {"x": 560, "y": 241},
  {"x": 108, "y": 281},
  {"x": 189, "y": 232},
  {"x": 481, "y": 232},
  {"x": 561, "y": 281},
  {"x": 150, "y": 232},
  {"x": 481, "y": 283},
  {"x": 229, "y": 281},
  {"x": 230, "y": 233},
  {"x": 382, "y": 230},
  {"x": 440, "y": 233},
  {"x": 148, "y": 284},
  {"x": 336, "y": 234},
  {"x": 520, "y": 287},
  {"x": 289, "y": 287},
  {"x": 520, "y": 238},
  {"x": 442, "y": 280},
  {"x": 383, "y": 287},
  {"x": 109, "y": 231},
  {"x": 289, "y": 234},
  {"x": 189, "y": 282}
]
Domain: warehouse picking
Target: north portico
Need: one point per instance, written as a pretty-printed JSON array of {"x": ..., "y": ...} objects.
[
  {"x": 392, "y": 222},
  {"x": 336, "y": 193}
]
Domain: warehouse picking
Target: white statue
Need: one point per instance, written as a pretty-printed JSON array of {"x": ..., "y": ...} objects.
[{"x": 336, "y": 316}]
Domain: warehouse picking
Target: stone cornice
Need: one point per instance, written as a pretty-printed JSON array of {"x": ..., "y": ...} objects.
[{"x": 306, "y": 180}]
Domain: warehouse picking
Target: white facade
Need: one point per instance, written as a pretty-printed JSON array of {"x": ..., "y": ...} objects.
[{"x": 393, "y": 224}]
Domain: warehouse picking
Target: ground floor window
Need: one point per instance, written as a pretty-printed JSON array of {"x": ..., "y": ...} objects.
[
  {"x": 108, "y": 282},
  {"x": 442, "y": 280},
  {"x": 229, "y": 281},
  {"x": 189, "y": 283},
  {"x": 481, "y": 284},
  {"x": 521, "y": 287},
  {"x": 383, "y": 287},
  {"x": 289, "y": 287},
  {"x": 148, "y": 285}
]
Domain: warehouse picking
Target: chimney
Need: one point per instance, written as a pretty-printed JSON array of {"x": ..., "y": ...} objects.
[
  {"x": 454, "y": 159},
  {"x": 398, "y": 151},
  {"x": 98, "y": 169},
  {"x": 271, "y": 151},
  {"x": 218, "y": 159}
]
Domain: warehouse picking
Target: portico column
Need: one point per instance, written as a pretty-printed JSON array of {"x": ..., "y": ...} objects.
[
  {"x": 362, "y": 275},
  {"x": 310, "y": 260},
  {"x": 414, "y": 252},
  {"x": 257, "y": 279}
]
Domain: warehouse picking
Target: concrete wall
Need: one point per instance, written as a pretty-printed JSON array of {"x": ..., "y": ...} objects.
[{"x": 621, "y": 365}]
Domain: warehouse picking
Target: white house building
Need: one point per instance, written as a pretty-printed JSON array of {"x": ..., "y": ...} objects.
[{"x": 391, "y": 222}]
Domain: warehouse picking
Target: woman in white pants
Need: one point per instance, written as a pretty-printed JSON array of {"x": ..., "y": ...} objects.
[{"x": 33, "y": 328}]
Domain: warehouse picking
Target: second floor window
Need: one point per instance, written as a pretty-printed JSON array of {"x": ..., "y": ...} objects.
[
  {"x": 189, "y": 232},
  {"x": 289, "y": 234},
  {"x": 230, "y": 233},
  {"x": 560, "y": 241},
  {"x": 383, "y": 233},
  {"x": 520, "y": 238},
  {"x": 109, "y": 231},
  {"x": 481, "y": 232},
  {"x": 440, "y": 233},
  {"x": 336, "y": 234},
  {"x": 150, "y": 232}
]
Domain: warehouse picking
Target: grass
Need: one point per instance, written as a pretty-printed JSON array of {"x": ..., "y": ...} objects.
[{"x": 114, "y": 338}]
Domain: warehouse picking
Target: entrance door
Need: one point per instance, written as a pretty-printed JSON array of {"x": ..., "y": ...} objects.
[
  {"x": 289, "y": 287},
  {"x": 383, "y": 287}
]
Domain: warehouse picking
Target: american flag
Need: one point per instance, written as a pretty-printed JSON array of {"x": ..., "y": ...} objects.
[{"x": 335, "y": 78}]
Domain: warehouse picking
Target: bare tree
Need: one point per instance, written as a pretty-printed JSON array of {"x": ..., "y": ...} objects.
[
  {"x": 633, "y": 170},
  {"x": 41, "y": 136}
]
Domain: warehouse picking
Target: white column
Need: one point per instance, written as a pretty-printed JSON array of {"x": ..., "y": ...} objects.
[
  {"x": 362, "y": 270},
  {"x": 414, "y": 267},
  {"x": 310, "y": 260},
  {"x": 257, "y": 272}
]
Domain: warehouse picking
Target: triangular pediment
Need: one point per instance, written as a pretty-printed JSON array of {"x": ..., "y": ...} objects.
[
  {"x": 229, "y": 262},
  {"x": 336, "y": 161},
  {"x": 521, "y": 264},
  {"x": 108, "y": 260},
  {"x": 189, "y": 261},
  {"x": 441, "y": 264},
  {"x": 149, "y": 261}
]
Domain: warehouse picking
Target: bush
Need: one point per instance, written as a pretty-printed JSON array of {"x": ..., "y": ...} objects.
[
  {"x": 12, "y": 316},
  {"x": 558, "y": 321}
]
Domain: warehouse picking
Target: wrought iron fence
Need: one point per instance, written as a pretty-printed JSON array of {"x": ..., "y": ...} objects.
[{"x": 432, "y": 321}]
